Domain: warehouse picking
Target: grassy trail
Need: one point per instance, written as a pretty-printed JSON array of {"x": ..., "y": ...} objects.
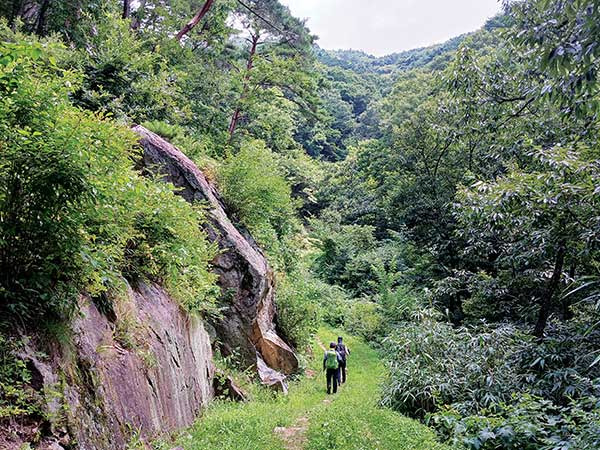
[{"x": 309, "y": 419}]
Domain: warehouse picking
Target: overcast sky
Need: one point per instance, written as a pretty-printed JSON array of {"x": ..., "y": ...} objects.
[{"x": 381, "y": 27}]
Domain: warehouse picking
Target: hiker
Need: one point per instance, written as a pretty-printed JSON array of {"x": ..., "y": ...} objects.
[
  {"x": 343, "y": 351},
  {"x": 331, "y": 364}
]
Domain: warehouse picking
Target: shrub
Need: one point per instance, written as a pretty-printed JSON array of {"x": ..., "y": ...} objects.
[
  {"x": 17, "y": 397},
  {"x": 167, "y": 245},
  {"x": 252, "y": 185},
  {"x": 350, "y": 256},
  {"x": 298, "y": 298},
  {"x": 528, "y": 423},
  {"x": 498, "y": 387},
  {"x": 335, "y": 304},
  {"x": 44, "y": 190},
  {"x": 346, "y": 254},
  {"x": 365, "y": 320},
  {"x": 74, "y": 215},
  {"x": 433, "y": 364},
  {"x": 563, "y": 366},
  {"x": 121, "y": 74},
  {"x": 398, "y": 303}
]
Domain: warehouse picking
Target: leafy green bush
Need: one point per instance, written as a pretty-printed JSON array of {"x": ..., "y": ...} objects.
[
  {"x": 17, "y": 397},
  {"x": 352, "y": 257},
  {"x": 346, "y": 255},
  {"x": 303, "y": 301},
  {"x": 335, "y": 304},
  {"x": 433, "y": 364},
  {"x": 528, "y": 423},
  {"x": 252, "y": 185},
  {"x": 121, "y": 75},
  {"x": 74, "y": 215},
  {"x": 397, "y": 302},
  {"x": 167, "y": 245},
  {"x": 298, "y": 305},
  {"x": 44, "y": 190},
  {"x": 497, "y": 387},
  {"x": 365, "y": 320}
]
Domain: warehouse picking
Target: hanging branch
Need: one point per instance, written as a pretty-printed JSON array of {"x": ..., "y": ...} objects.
[{"x": 195, "y": 20}]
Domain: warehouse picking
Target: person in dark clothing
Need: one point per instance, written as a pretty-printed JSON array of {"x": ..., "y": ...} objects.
[
  {"x": 343, "y": 351},
  {"x": 331, "y": 364}
]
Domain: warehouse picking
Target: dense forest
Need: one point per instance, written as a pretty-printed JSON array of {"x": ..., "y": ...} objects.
[{"x": 442, "y": 203}]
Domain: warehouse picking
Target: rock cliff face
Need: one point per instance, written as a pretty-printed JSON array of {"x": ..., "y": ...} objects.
[
  {"x": 100, "y": 389},
  {"x": 246, "y": 280}
]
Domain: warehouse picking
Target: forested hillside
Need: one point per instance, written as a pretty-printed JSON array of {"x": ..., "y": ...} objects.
[{"x": 441, "y": 203}]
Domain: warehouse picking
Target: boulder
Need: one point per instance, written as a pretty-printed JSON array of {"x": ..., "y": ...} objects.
[
  {"x": 270, "y": 377},
  {"x": 244, "y": 276}
]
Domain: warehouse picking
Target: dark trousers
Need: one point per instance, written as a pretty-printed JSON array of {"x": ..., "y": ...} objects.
[
  {"x": 342, "y": 372},
  {"x": 332, "y": 377}
]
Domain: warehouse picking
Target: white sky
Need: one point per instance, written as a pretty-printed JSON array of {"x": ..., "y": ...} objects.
[{"x": 381, "y": 27}]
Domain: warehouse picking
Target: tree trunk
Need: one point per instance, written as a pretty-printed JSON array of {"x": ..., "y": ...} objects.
[
  {"x": 238, "y": 110},
  {"x": 41, "y": 22},
  {"x": 197, "y": 18},
  {"x": 547, "y": 300},
  {"x": 126, "y": 9}
]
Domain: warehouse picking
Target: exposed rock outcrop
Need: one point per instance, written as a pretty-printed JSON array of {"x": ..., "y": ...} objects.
[
  {"x": 101, "y": 390},
  {"x": 245, "y": 278}
]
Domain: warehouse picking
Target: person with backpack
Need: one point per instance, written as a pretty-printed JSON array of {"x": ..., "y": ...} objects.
[
  {"x": 331, "y": 364},
  {"x": 343, "y": 351}
]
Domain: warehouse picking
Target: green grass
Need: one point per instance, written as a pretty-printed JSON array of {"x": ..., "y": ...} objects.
[{"x": 352, "y": 420}]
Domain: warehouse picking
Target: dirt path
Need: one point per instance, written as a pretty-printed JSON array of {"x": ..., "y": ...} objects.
[{"x": 294, "y": 437}]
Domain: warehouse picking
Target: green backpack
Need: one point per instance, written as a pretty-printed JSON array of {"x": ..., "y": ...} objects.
[{"x": 331, "y": 362}]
